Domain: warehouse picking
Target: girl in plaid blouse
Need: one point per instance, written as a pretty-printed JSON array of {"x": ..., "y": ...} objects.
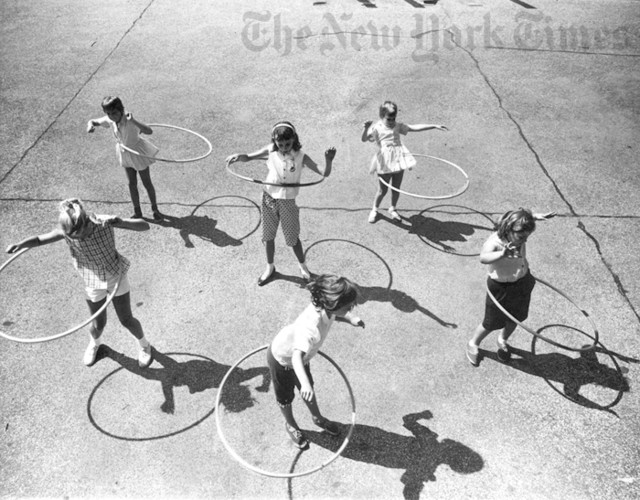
[{"x": 92, "y": 244}]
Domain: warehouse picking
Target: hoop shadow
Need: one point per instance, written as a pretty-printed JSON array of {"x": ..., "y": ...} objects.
[
  {"x": 198, "y": 375},
  {"x": 574, "y": 373},
  {"x": 204, "y": 227},
  {"x": 419, "y": 455},
  {"x": 435, "y": 233}
]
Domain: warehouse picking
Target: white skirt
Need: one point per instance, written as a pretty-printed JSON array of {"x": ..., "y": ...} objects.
[
  {"x": 128, "y": 159},
  {"x": 390, "y": 159}
]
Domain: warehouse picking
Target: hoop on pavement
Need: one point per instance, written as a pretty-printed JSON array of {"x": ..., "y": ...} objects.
[
  {"x": 168, "y": 160},
  {"x": 263, "y": 472},
  {"x": 537, "y": 333},
  {"x": 65, "y": 333},
  {"x": 265, "y": 183},
  {"x": 427, "y": 197}
]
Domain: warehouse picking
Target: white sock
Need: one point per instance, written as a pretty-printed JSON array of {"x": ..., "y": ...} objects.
[{"x": 97, "y": 341}]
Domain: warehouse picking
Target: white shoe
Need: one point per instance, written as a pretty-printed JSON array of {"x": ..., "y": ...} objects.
[
  {"x": 394, "y": 215},
  {"x": 91, "y": 353},
  {"x": 145, "y": 357},
  {"x": 304, "y": 271},
  {"x": 373, "y": 216}
]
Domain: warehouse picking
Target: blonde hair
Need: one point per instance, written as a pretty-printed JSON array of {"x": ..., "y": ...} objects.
[
  {"x": 72, "y": 215},
  {"x": 331, "y": 292}
]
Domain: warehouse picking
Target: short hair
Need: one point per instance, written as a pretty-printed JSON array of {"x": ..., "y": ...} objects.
[
  {"x": 388, "y": 108},
  {"x": 521, "y": 217},
  {"x": 331, "y": 292},
  {"x": 110, "y": 103},
  {"x": 285, "y": 130},
  {"x": 72, "y": 215}
]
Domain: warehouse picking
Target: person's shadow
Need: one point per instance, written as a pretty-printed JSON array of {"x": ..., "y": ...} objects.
[
  {"x": 435, "y": 232},
  {"x": 197, "y": 375},
  {"x": 419, "y": 455},
  {"x": 201, "y": 226},
  {"x": 575, "y": 373},
  {"x": 400, "y": 300}
]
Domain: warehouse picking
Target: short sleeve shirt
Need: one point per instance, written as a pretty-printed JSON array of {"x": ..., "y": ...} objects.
[
  {"x": 284, "y": 169},
  {"x": 306, "y": 334},
  {"x": 384, "y": 136}
]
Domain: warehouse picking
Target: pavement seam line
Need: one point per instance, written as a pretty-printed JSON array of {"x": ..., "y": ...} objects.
[{"x": 82, "y": 87}]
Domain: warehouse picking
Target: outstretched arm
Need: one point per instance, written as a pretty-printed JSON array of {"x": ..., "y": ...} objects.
[
  {"x": 329, "y": 155},
  {"x": 131, "y": 224},
  {"x": 353, "y": 319},
  {"x": 260, "y": 154},
  {"x": 144, "y": 128},
  {"x": 97, "y": 122},
  {"x": 423, "y": 126},
  {"x": 545, "y": 216},
  {"x": 36, "y": 241}
]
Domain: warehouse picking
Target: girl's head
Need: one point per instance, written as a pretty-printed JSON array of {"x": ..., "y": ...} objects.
[
  {"x": 285, "y": 138},
  {"x": 334, "y": 294},
  {"x": 388, "y": 113},
  {"x": 516, "y": 226},
  {"x": 113, "y": 108},
  {"x": 73, "y": 218}
]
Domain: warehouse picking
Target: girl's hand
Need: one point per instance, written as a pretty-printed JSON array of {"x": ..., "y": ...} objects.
[
  {"x": 306, "y": 391},
  {"x": 547, "y": 216},
  {"x": 237, "y": 157},
  {"x": 330, "y": 154},
  {"x": 90, "y": 127},
  {"x": 357, "y": 322},
  {"x": 367, "y": 124},
  {"x": 114, "y": 220},
  {"x": 13, "y": 248},
  {"x": 441, "y": 127}
]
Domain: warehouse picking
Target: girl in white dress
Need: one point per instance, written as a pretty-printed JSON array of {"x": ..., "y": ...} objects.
[
  {"x": 126, "y": 130},
  {"x": 392, "y": 158}
]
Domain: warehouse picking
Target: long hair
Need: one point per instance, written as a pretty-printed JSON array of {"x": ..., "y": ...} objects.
[
  {"x": 522, "y": 218},
  {"x": 331, "y": 292},
  {"x": 282, "y": 131}
]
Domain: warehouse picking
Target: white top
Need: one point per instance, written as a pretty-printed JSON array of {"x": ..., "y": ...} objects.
[
  {"x": 284, "y": 169},
  {"x": 511, "y": 267},
  {"x": 306, "y": 334},
  {"x": 392, "y": 155}
]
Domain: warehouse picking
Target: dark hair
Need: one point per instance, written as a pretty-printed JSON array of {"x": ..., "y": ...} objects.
[
  {"x": 331, "y": 292},
  {"x": 388, "y": 108},
  {"x": 112, "y": 103},
  {"x": 282, "y": 131},
  {"x": 521, "y": 217}
]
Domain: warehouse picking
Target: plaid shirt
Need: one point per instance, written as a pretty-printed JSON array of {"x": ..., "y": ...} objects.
[{"x": 95, "y": 257}]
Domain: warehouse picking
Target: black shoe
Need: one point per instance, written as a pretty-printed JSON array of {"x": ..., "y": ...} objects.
[
  {"x": 262, "y": 282},
  {"x": 504, "y": 355},
  {"x": 329, "y": 426}
]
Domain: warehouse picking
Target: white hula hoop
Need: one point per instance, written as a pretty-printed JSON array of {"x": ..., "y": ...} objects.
[
  {"x": 265, "y": 183},
  {"x": 426, "y": 197},
  {"x": 536, "y": 333},
  {"x": 168, "y": 160},
  {"x": 58, "y": 335},
  {"x": 263, "y": 472}
]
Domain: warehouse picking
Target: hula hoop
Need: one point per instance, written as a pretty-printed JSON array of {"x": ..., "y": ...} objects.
[
  {"x": 265, "y": 183},
  {"x": 426, "y": 197},
  {"x": 168, "y": 160},
  {"x": 58, "y": 335},
  {"x": 537, "y": 333},
  {"x": 263, "y": 472}
]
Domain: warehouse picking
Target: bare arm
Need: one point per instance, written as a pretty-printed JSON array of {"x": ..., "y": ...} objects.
[
  {"x": 131, "y": 224},
  {"x": 545, "y": 216},
  {"x": 491, "y": 252},
  {"x": 424, "y": 126},
  {"x": 97, "y": 122},
  {"x": 143, "y": 127},
  {"x": 260, "y": 154},
  {"x": 353, "y": 319},
  {"x": 329, "y": 155},
  {"x": 366, "y": 135},
  {"x": 306, "y": 390},
  {"x": 36, "y": 241}
]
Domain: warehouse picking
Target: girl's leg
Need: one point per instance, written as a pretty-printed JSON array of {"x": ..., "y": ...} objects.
[
  {"x": 270, "y": 249},
  {"x": 479, "y": 334},
  {"x": 122, "y": 305},
  {"x": 396, "y": 182},
  {"x": 503, "y": 348},
  {"x": 380, "y": 194},
  {"x": 319, "y": 420},
  {"x": 145, "y": 175},
  {"x": 96, "y": 329},
  {"x": 133, "y": 191},
  {"x": 299, "y": 253}
]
